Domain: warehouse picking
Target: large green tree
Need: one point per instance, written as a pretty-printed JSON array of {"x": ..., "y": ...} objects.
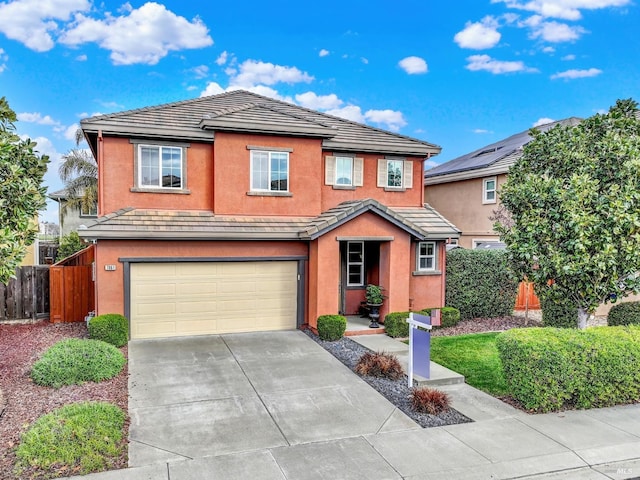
[
  {"x": 21, "y": 192},
  {"x": 574, "y": 201},
  {"x": 79, "y": 173}
]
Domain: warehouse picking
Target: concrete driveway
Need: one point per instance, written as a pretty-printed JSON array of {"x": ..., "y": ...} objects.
[{"x": 196, "y": 397}]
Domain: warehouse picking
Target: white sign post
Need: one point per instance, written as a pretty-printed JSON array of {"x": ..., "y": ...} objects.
[{"x": 419, "y": 346}]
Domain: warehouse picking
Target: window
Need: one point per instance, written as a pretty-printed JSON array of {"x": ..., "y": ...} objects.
[
  {"x": 269, "y": 171},
  {"x": 489, "y": 190},
  {"x": 395, "y": 173},
  {"x": 343, "y": 171},
  {"x": 426, "y": 256},
  {"x": 160, "y": 167},
  {"x": 89, "y": 211},
  {"x": 355, "y": 264}
]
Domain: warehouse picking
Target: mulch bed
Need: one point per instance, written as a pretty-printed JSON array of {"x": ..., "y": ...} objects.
[
  {"x": 481, "y": 325},
  {"x": 22, "y": 401}
]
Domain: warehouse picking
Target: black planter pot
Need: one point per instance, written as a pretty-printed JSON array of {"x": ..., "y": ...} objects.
[{"x": 374, "y": 314}]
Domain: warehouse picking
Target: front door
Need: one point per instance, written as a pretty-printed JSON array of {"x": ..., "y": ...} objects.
[{"x": 359, "y": 262}]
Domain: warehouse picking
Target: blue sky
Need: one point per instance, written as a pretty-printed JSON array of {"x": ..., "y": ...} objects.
[{"x": 459, "y": 74}]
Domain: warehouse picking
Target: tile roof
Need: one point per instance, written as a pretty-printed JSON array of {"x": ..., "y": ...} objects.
[
  {"x": 245, "y": 111},
  {"x": 498, "y": 156},
  {"x": 130, "y": 223}
]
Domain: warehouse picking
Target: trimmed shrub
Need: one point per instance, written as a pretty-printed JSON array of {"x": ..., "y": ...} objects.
[
  {"x": 479, "y": 283},
  {"x": 331, "y": 327},
  {"x": 379, "y": 364},
  {"x": 627, "y": 313},
  {"x": 557, "y": 310},
  {"x": 430, "y": 400},
  {"x": 70, "y": 244},
  {"x": 395, "y": 324},
  {"x": 75, "y": 361},
  {"x": 112, "y": 328},
  {"x": 554, "y": 368},
  {"x": 83, "y": 437},
  {"x": 449, "y": 316}
]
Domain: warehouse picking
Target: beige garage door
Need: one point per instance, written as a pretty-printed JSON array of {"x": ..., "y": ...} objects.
[{"x": 199, "y": 298}]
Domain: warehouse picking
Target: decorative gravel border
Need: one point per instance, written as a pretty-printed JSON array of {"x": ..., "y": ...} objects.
[{"x": 396, "y": 391}]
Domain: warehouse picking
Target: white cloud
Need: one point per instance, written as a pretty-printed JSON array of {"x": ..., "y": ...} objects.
[
  {"x": 413, "y": 65},
  {"x": 430, "y": 164},
  {"x": 142, "y": 35},
  {"x": 497, "y": 67},
  {"x": 70, "y": 132},
  {"x": 574, "y": 73},
  {"x": 37, "y": 118},
  {"x": 542, "y": 121},
  {"x": 565, "y": 9},
  {"x": 201, "y": 71},
  {"x": 252, "y": 72},
  {"x": 479, "y": 35},
  {"x": 319, "y": 102},
  {"x": 212, "y": 88},
  {"x": 482, "y": 131},
  {"x": 568, "y": 58},
  {"x": 392, "y": 119},
  {"x": 549, "y": 50},
  {"x": 553, "y": 32},
  {"x": 323, "y": 53},
  {"x": 81, "y": 58},
  {"x": 32, "y": 22},
  {"x": 350, "y": 112},
  {"x": 222, "y": 58},
  {"x": 364, "y": 60},
  {"x": 3, "y": 58}
]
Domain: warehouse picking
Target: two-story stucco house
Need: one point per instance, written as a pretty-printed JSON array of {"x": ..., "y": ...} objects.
[
  {"x": 466, "y": 189},
  {"x": 236, "y": 212}
]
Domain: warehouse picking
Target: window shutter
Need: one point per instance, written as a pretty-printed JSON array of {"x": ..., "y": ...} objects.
[
  {"x": 407, "y": 180},
  {"x": 382, "y": 172},
  {"x": 329, "y": 170},
  {"x": 358, "y": 171}
]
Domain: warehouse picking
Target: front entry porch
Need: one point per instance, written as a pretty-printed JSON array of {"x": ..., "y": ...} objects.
[{"x": 358, "y": 325}]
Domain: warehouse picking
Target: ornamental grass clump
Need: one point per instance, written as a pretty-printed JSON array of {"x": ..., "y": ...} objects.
[
  {"x": 430, "y": 400},
  {"x": 379, "y": 364},
  {"x": 75, "y": 361}
]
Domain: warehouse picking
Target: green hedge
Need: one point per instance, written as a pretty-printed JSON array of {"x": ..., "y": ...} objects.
[
  {"x": 112, "y": 328},
  {"x": 553, "y": 368},
  {"x": 479, "y": 283},
  {"x": 331, "y": 327},
  {"x": 449, "y": 316},
  {"x": 627, "y": 313},
  {"x": 557, "y": 310},
  {"x": 395, "y": 324}
]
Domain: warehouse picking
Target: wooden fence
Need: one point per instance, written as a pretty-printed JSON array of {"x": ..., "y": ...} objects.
[
  {"x": 72, "y": 287},
  {"x": 527, "y": 298},
  {"x": 26, "y": 297}
]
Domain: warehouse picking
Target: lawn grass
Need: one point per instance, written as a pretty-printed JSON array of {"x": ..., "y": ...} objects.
[
  {"x": 475, "y": 356},
  {"x": 80, "y": 437}
]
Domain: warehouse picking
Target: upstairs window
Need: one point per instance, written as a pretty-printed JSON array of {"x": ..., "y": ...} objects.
[
  {"x": 489, "y": 186},
  {"x": 160, "y": 167},
  {"x": 269, "y": 171},
  {"x": 426, "y": 256},
  {"x": 89, "y": 210},
  {"x": 343, "y": 171},
  {"x": 395, "y": 173}
]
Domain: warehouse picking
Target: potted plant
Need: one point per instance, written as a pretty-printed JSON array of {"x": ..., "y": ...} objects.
[{"x": 375, "y": 298}]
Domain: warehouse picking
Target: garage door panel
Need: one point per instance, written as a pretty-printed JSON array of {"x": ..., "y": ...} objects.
[{"x": 191, "y": 298}]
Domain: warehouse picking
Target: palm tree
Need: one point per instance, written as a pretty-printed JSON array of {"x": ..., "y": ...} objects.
[{"x": 79, "y": 173}]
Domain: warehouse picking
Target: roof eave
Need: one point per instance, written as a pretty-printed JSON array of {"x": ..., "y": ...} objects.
[
  {"x": 177, "y": 235},
  {"x": 389, "y": 149},
  {"x": 466, "y": 174},
  {"x": 222, "y": 124},
  {"x": 108, "y": 128}
]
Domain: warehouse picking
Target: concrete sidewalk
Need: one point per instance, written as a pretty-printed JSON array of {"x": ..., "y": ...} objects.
[{"x": 278, "y": 406}]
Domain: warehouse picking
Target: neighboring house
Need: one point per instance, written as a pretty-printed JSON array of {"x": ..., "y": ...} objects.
[
  {"x": 465, "y": 189},
  {"x": 237, "y": 212},
  {"x": 75, "y": 218}
]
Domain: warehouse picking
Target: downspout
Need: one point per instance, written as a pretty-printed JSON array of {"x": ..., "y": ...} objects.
[
  {"x": 100, "y": 175},
  {"x": 443, "y": 283}
]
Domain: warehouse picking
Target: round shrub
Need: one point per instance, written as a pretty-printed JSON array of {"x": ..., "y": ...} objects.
[
  {"x": 75, "y": 361},
  {"x": 395, "y": 324},
  {"x": 449, "y": 316},
  {"x": 556, "y": 368},
  {"x": 627, "y": 313},
  {"x": 557, "y": 311},
  {"x": 331, "y": 327},
  {"x": 84, "y": 437},
  {"x": 112, "y": 328}
]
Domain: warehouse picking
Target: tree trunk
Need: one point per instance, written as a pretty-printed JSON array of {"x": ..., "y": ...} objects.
[{"x": 583, "y": 315}]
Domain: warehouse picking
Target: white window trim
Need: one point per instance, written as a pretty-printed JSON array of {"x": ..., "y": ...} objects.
[
  {"x": 406, "y": 172},
  {"x": 485, "y": 200},
  {"x": 349, "y": 284},
  {"x": 434, "y": 256},
  {"x": 268, "y": 190},
  {"x": 84, "y": 213},
  {"x": 137, "y": 165},
  {"x": 335, "y": 180},
  {"x": 331, "y": 171}
]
